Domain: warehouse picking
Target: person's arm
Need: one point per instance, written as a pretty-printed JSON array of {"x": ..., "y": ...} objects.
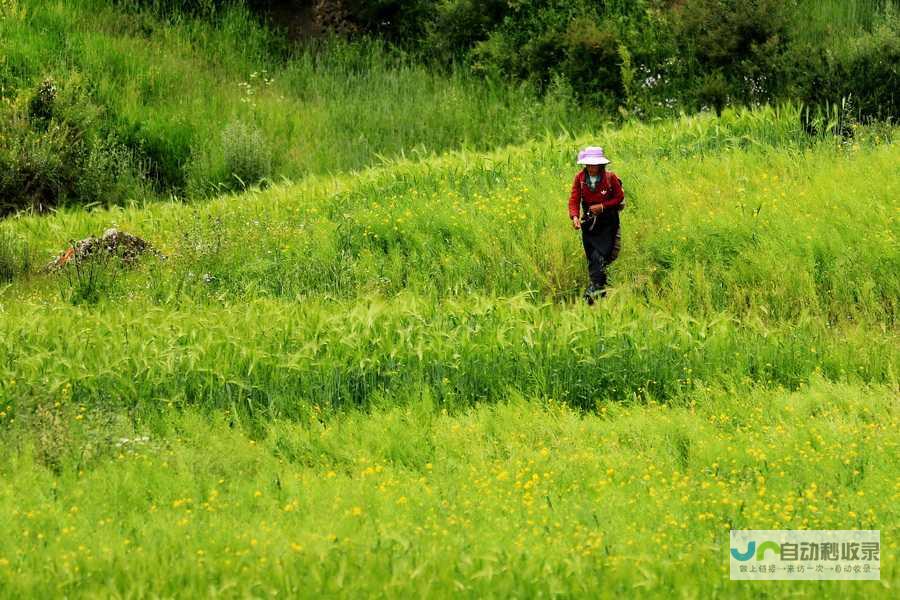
[
  {"x": 574, "y": 203},
  {"x": 575, "y": 197}
]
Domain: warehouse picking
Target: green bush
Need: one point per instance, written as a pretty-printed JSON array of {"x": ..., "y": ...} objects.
[
  {"x": 455, "y": 26},
  {"x": 242, "y": 157},
  {"x": 537, "y": 39},
  {"x": 713, "y": 92},
  {"x": 36, "y": 165},
  {"x": 53, "y": 151},
  {"x": 868, "y": 71},
  {"x": 742, "y": 41},
  {"x": 592, "y": 62},
  {"x": 400, "y": 21},
  {"x": 655, "y": 72},
  {"x": 723, "y": 33},
  {"x": 40, "y": 107},
  {"x": 164, "y": 146},
  {"x": 247, "y": 155}
]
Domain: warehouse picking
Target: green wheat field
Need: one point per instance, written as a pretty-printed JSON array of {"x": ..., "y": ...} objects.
[{"x": 386, "y": 384}]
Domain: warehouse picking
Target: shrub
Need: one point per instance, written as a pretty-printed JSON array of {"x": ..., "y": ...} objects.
[
  {"x": 162, "y": 148},
  {"x": 713, "y": 92},
  {"x": 592, "y": 62},
  {"x": 35, "y": 165},
  {"x": 108, "y": 172},
  {"x": 655, "y": 73},
  {"x": 53, "y": 151},
  {"x": 455, "y": 26},
  {"x": 247, "y": 155},
  {"x": 744, "y": 40},
  {"x": 722, "y": 33},
  {"x": 868, "y": 71},
  {"x": 533, "y": 39},
  {"x": 40, "y": 107},
  {"x": 401, "y": 21}
]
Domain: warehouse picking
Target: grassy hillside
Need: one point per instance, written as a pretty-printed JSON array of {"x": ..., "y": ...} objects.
[
  {"x": 384, "y": 382},
  {"x": 195, "y": 106},
  {"x": 108, "y": 102}
]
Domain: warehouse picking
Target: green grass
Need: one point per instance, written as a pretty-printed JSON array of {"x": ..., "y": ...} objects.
[
  {"x": 205, "y": 105},
  {"x": 170, "y": 88},
  {"x": 384, "y": 383},
  {"x": 838, "y": 20},
  {"x": 516, "y": 498}
]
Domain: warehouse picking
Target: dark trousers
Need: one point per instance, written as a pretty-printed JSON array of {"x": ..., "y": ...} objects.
[{"x": 599, "y": 234}]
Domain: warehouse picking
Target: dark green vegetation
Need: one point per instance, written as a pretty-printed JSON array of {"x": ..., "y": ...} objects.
[
  {"x": 103, "y": 105},
  {"x": 111, "y": 102},
  {"x": 649, "y": 57}
]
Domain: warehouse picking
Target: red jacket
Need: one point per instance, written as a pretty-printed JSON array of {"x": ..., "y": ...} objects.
[{"x": 609, "y": 192}]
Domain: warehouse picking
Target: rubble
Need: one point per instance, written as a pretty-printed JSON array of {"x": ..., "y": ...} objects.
[{"x": 114, "y": 242}]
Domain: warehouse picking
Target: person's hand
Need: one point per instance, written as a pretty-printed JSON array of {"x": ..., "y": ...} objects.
[
  {"x": 576, "y": 222},
  {"x": 596, "y": 209}
]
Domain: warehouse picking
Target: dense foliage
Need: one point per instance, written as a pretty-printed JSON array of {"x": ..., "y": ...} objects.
[
  {"x": 153, "y": 97},
  {"x": 107, "y": 105},
  {"x": 657, "y": 56}
]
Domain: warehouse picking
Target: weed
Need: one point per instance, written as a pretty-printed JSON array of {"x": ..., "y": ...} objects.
[
  {"x": 247, "y": 156},
  {"x": 15, "y": 256},
  {"x": 88, "y": 278},
  {"x": 52, "y": 437}
]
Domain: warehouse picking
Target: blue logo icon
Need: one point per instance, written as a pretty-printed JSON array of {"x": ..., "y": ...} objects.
[{"x": 753, "y": 551}]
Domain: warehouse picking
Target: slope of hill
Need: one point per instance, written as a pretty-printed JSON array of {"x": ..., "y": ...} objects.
[
  {"x": 113, "y": 101},
  {"x": 103, "y": 105},
  {"x": 384, "y": 383}
]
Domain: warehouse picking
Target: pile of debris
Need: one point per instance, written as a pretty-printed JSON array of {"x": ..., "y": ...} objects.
[{"x": 128, "y": 248}]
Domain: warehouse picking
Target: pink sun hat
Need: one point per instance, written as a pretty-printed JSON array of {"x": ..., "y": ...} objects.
[{"x": 592, "y": 155}]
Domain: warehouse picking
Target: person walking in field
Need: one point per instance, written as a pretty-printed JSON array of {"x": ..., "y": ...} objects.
[{"x": 594, "y": 205}]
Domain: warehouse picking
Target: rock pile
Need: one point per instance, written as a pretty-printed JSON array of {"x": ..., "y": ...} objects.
[{"x": 125, "y": 246}]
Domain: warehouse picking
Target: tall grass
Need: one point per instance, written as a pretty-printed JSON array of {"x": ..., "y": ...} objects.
[
  {"x": 513, "y": 499},
  {"x": 169, "y": 88},
  {"x": 277, "y": 359},
  {"x": 752, "y": 257},
  {"x": 384, "y": 384},
  {"x": 838, "y": 20}
]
